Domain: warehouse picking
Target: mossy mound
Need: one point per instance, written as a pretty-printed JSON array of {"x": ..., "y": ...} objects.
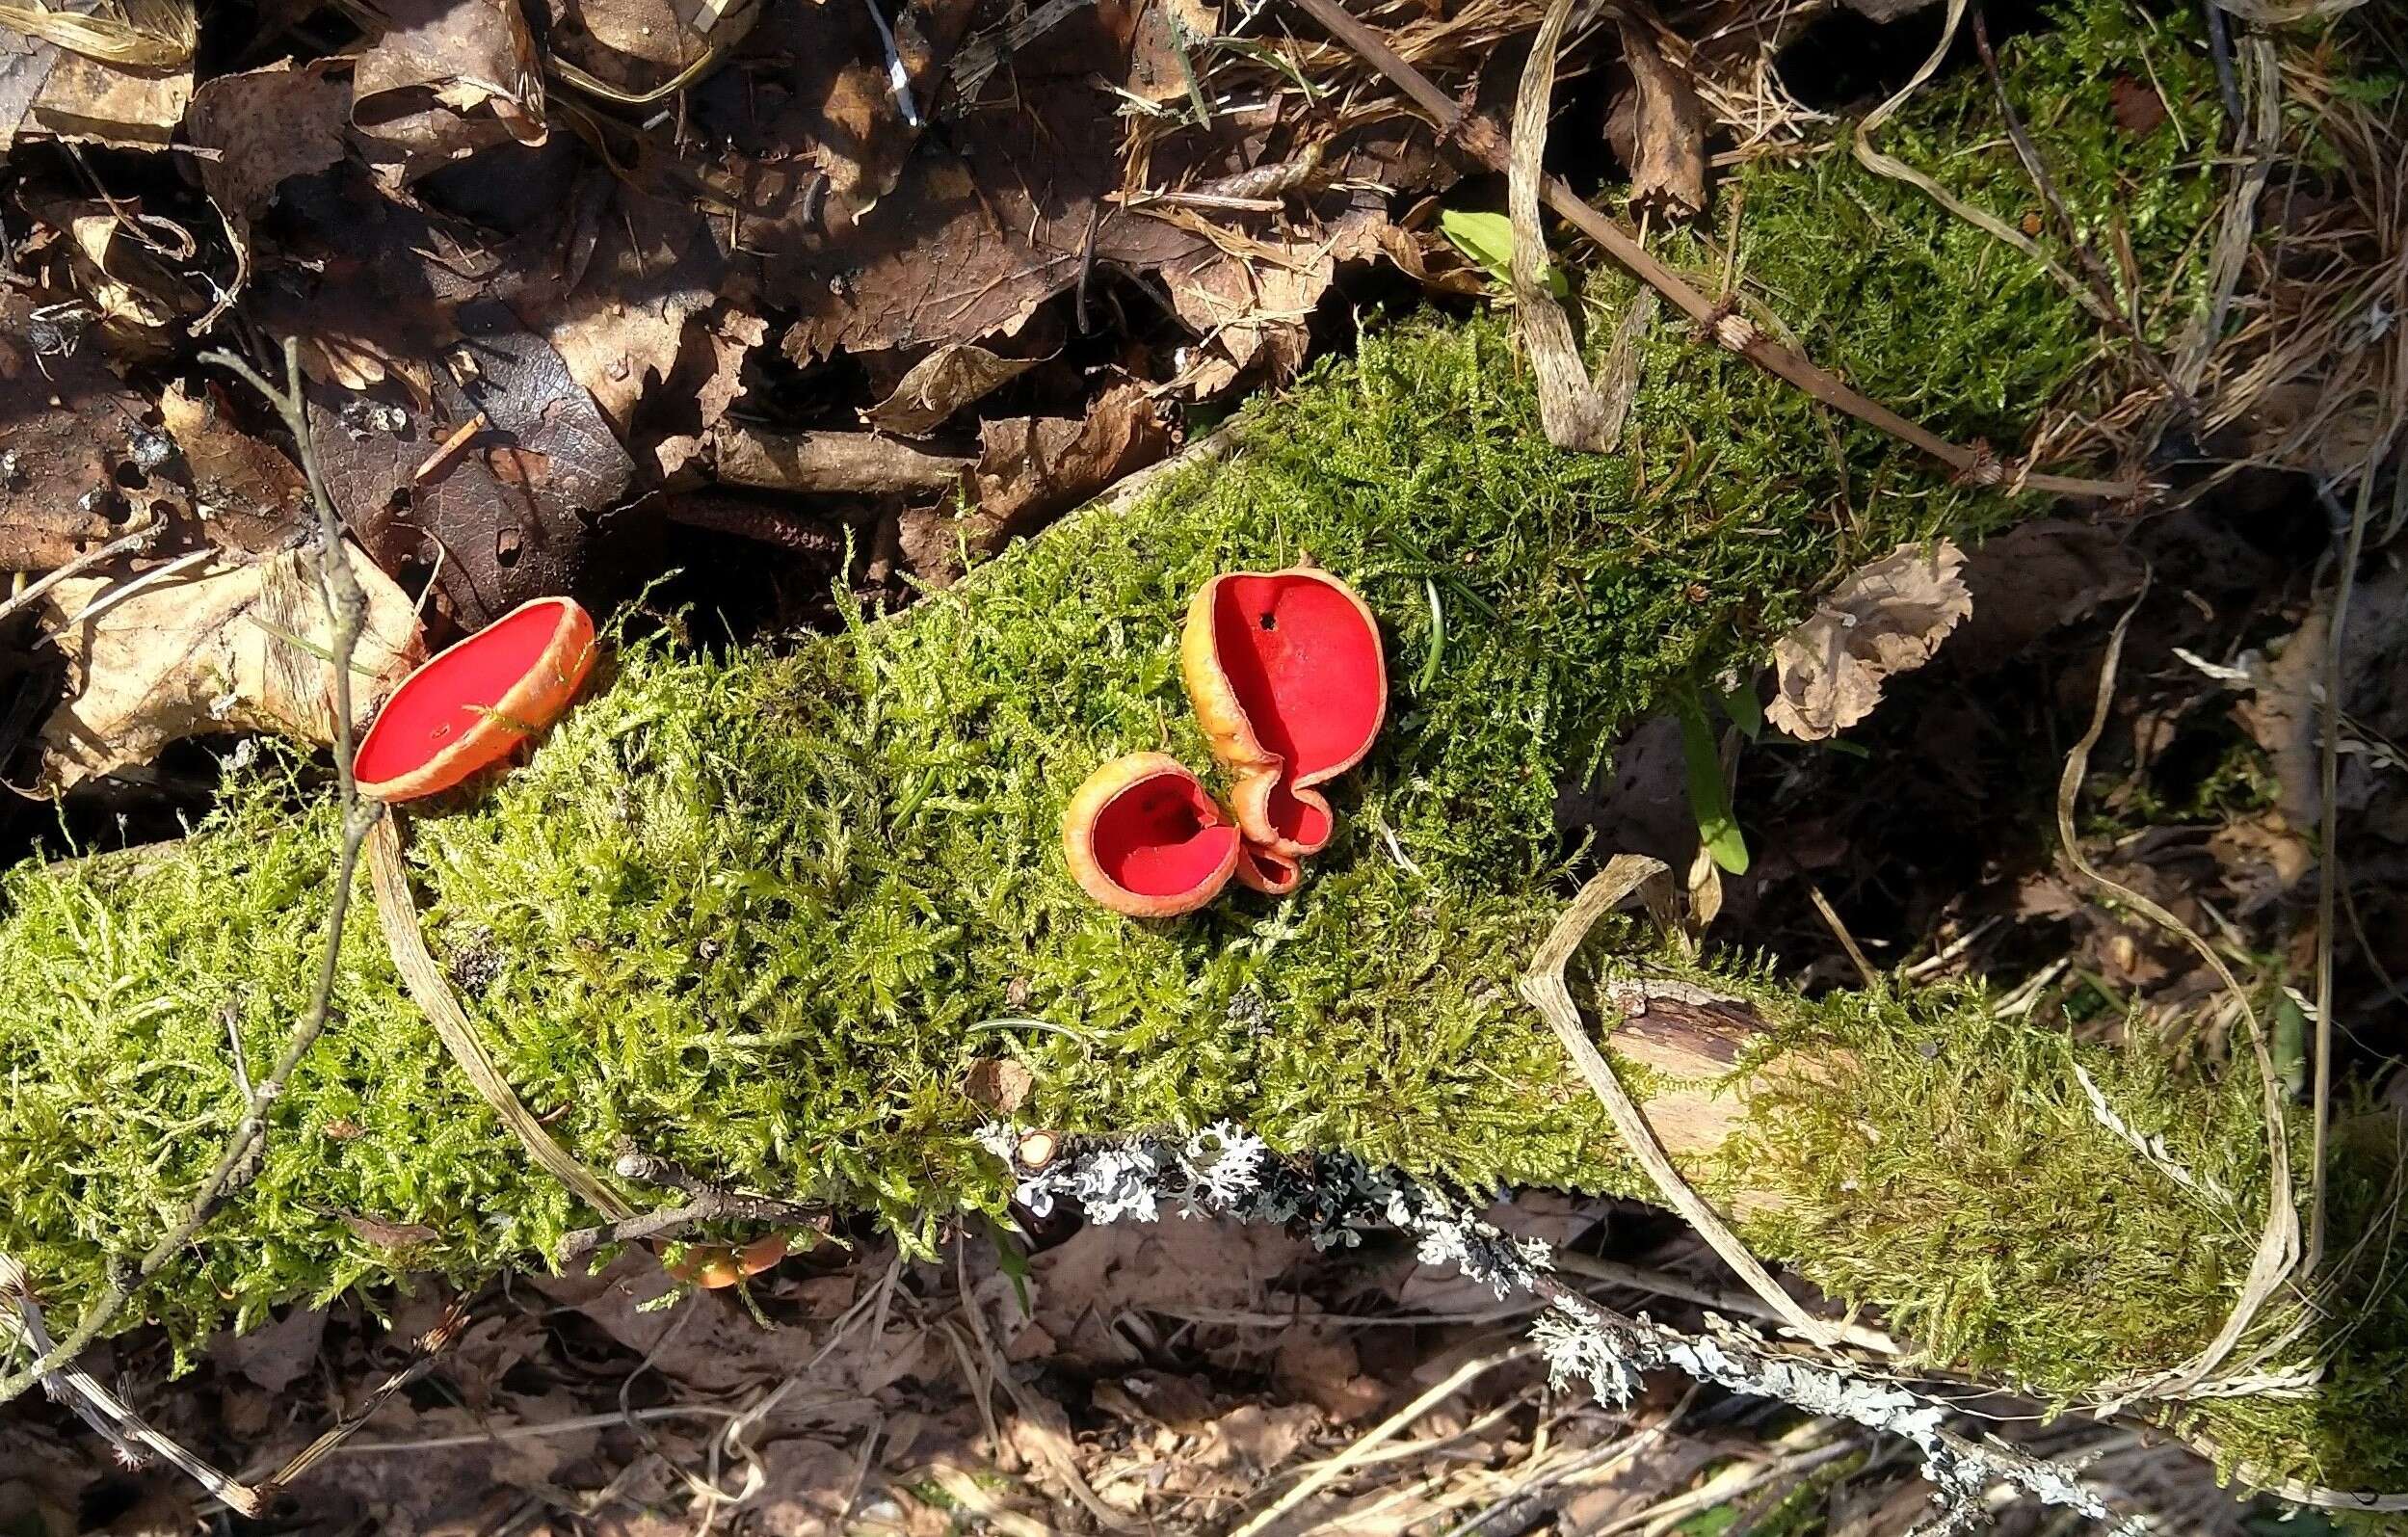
[{"x": 759, "y": 915}]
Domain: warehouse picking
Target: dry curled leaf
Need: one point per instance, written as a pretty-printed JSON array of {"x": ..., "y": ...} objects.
[
  {"x": 942, "y": 383},
  {"x": 124, "y": 109},
  {"x": 1657, "y": 128},
  {"x": 239, "y": 648},
  {"x": 445, "y": 78},
  {"x": 1888, "y": 618}
]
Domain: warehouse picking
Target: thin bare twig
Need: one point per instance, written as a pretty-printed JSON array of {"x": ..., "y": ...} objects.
[
  {"x": 239, "y": 1163},
  {"x": 1484, "y": 143},
  {"x": 706, "y": 1203}
]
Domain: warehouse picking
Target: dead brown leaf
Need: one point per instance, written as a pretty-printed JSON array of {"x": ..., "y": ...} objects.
[
  {"x": 138, "y": 302},
  {"x": 84, "y": 99},
  {"x": 248, "y": 493},
  {"x": 266, "y": 125},
  {"x": 504, "y": 519},
  {"x": 709, "y": 374},
  {"x": 214, "y": 651},
  {"x": 1888, "y": 617},
  {"x": 276, "y": 1356},
  {"x": 949, "y": 379},
  {"x": 70, "y": 426},
  {"x": 2140, "y": 111},
  {"x": 998, "y": 1084},
  {"x": 25, "y": 65},
  {"x": 2033, "y": 578},
  {"x": 444, "y": 79},
  {"x": 1030, "y": 467},
  {"x": 386, "y": 1234},
  {"x": 1658, "y": 125},
  {"x": 1080, "y": 1286}
]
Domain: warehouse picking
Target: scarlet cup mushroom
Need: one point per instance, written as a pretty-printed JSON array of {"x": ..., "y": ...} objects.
[
  {"x": 1144, "y": 837},
  {"x": 1287, "y": 676},
  {"x": 713, "y": 1265},
  {"x": 472, "y": 704}
]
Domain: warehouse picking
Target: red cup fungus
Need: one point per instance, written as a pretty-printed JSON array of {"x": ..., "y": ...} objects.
[
  {"x": 1287, "y": 677},
  {"x": 1144, "y": 838},
  {"x": 471, "y": 705},
  {"x": 714, "y": 1265}
]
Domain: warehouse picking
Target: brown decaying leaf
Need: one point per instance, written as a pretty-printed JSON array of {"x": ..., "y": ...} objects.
[
  {"x": 1888, "y": 617},
  {"x": 1657, "y": 126},
  {"x": 122, "y": 108},
  {"x": 141, "y": 300},
  {"x": 2138, "y": 109},
  {"x": 215, "y": 653},
  {"x": 954, "y": 376},
  {"x": 1032, "y": 467},
  {"x": 25, "y": 65},
  {"x": 504, "y": 519},
  {"x": 446, "y": 78},
  {"x": 58, "y": 461},
  {"x": 247, "y": 493},
  {"x": 266, "y": 125},
  {"x": 998, "y": 1084},
  {"x": 709, "y": 373}
]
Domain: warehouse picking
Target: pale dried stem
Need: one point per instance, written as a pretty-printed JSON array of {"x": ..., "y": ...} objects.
[
  {"x": 1545, "y": 989},
  {"x": 2278, "y": 1252}
]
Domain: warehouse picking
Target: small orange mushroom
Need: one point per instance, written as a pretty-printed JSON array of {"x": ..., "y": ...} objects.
[
  {"x": 714, "y": 1265},
  {"x": 1287, "y": 679},
  {"x": 471, "y": 705},
  {"x": 1144, "y": 838}
]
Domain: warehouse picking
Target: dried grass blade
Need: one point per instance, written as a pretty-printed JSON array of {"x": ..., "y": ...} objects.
[
  {"x": 398, "y": 913},
  {"x": 1542, "y": 986},
  {"x": 2278, "y": 1252},
  {"x": 1571, "y": 411}
]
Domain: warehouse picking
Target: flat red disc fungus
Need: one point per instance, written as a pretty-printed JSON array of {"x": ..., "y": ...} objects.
[
  {"x": 1144, "y": 838},
  {"x": 471, "y": 705},
  {"x": 1287, "y": 677}
]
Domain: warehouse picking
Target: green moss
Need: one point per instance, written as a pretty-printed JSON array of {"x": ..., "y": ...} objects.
[{"x": 760, "y": 915}]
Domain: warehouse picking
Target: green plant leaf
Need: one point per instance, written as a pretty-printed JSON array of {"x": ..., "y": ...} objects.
[
  {"x": 1488, "y": 238},
  {"x": 1745, "y": 712},
  {"x": 1716, "y": 827}
]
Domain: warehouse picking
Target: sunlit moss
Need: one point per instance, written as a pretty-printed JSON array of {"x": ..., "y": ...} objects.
[{"x": 760, "y": 915}]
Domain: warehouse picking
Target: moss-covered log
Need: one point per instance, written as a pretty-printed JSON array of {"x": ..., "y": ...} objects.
[{"x": 760, "y": 915}]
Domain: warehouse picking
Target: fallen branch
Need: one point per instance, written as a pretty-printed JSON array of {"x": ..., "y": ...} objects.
[
  {"x": 830, "y": 464},
  {"x": 704, "y": 1202},
  {"x": 240, "y": 1161},
  {"x": 1977, "y": 464}
]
